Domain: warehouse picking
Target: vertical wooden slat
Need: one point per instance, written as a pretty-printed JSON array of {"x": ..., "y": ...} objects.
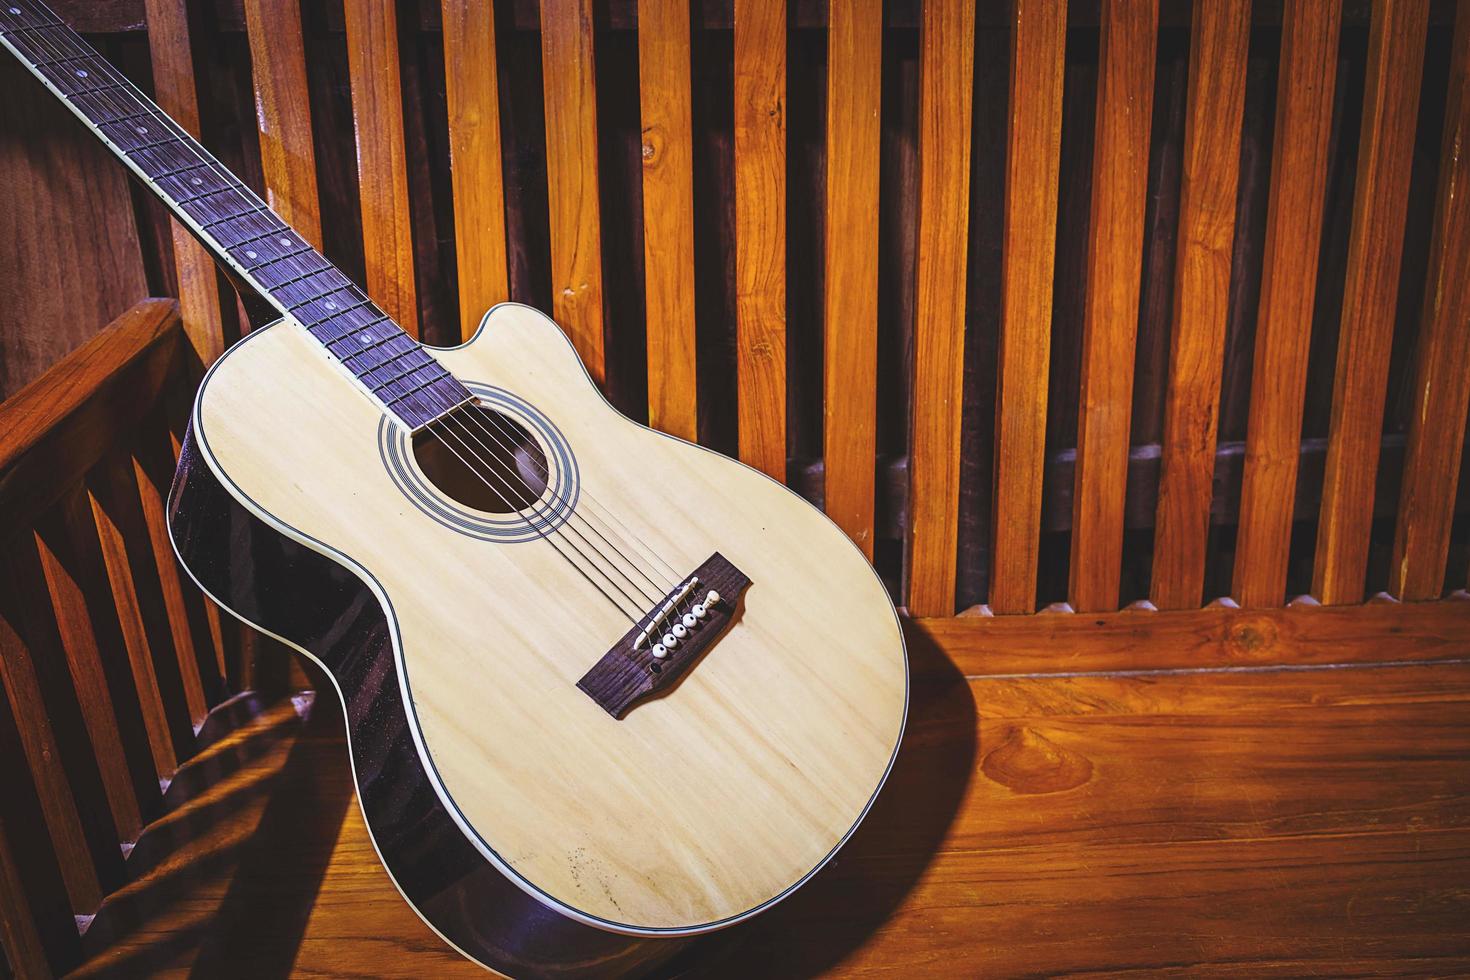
[
  {"x": 72, "y": 564},
  {"x": 1441, "y": 392},
  {"x": 472, "y": 92},
  {"x": 946, "y": 93},
  {"x": 668, "y": 214},
  {"x": 176, "y": 93},
  {"x": 1128, "y": 34},
  {"x": 570, "y": 95},
  {"x": 1028, "y": 260},
  {"x": 195, "y": 649},
  {"x": 1220, "y": 38},
  {"x": 283, "y": 113},
  {"x": 1304, "y": 92},
  {"x": 760, "y": 232},
  {"x": 34, "y": 672},
  {"x": 37, "y": 929},
  {"x": 126, "y": 549},
  {"x": 850, "y": 313},
  {"x": 382, "y": 169},
  {"x": 1375, "y": 250}
]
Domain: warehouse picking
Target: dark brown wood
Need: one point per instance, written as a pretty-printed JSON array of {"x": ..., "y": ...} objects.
[
  {"x": 630, "y": 672},
  {"x": 56, "y": 428}
]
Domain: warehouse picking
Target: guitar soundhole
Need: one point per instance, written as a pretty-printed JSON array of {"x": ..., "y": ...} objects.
[{"x": 483, "y": 459}]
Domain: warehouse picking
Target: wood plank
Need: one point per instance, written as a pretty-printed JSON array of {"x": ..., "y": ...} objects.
[
  {"x": 62, "y": 763},
  {"x": 1217, "y": 636},
  {"x": 850, "y": 311},
  {"x": 1028, "y": 260},
  {"x": 37, "y": 931},
  {"x": 382, "y": 168},
  {"x": 1128, "y": 35},
  {"x": 73, "y": 258},
  {"x": 1375, "y": 251},
  {"x": 946, "y": 79},
  {"x": 138, "y": 597},
  {"x": 1219, "y": 41},
  {"x": 81, "y": 599},
  {"x": 1301, "y": 823},
  {"x": 1299, "y": 154},
  {"x": 472, "y": 92},
  {"x": 283, "y": 113},
  {"x": 760, "y": 232},
  {"x": 1440, "y": 395},
  {"x": 177, "y": 93},
  {"x": 569, "y": 92},
  {"x": 668, "y": 214},
  {"x": 54, "y": 430}
]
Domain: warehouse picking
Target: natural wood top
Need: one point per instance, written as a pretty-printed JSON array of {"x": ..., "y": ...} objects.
[{"x": 699, "y": 805}]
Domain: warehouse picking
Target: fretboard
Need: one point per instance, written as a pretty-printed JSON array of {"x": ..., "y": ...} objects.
[{"x": 231, "y": 220}]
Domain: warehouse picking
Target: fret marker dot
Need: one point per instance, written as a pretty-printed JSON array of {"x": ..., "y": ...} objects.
[
  {"x": 141, "y": 130},
  {"x": 331, "y": 305},
  {"x": 365, "y": 337},
  {"x": 196, "y": 181},
  {"x": 249, "y": 254},
  {"x": 15, "y": 10},
  {"x": 81, "y": 73},
  {"x": 286, "y": 242}
]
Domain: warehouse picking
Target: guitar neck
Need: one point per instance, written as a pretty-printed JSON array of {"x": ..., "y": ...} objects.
[{"x": 238, "y": 228}]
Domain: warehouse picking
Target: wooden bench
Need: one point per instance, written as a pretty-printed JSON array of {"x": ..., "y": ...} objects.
[{"x": 1212, "y": 770}]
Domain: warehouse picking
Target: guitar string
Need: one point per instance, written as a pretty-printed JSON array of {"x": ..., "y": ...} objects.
[{"x": 111, "y": 98}]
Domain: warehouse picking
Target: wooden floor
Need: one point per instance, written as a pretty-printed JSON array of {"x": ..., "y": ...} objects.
[{"x": 1267, "y": 821}]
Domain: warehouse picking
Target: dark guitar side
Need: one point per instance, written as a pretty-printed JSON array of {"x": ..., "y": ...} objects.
[{"x": 300, "y": 595}]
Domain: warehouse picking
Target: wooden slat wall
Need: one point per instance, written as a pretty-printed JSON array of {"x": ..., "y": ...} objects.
[
  {"x": 175, "y": 91},
  {"x": 760, "y": 232},
  {"x": 1034, "y": 137},
  {"x": 946, "y": 68},
  {"x": 1304, "y": 93},
  {"x": 668, "y": 214},
  {"x": 1115, "y": 256},
  {"x": 1220, "y": 37},
  {"x": 1440, "y": 392},
  {"x": 571, "y": 176},
  {"x": 473, "y": 100},
  {"x": 93, "y": 715},
  {"x": 1385, "y": 156},
  {"x": 850, "y": 313},
  {"x": 287, "y": 151},
  {"x": 382, "y": 168}
]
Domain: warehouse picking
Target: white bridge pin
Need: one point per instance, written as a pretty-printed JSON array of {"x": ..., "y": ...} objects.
[
  {"x": 670, "y": 640},
  {"x": 679, "y": 630},
  {"x": 689, "y": 620},
  {"x": 660, "y": 651}
]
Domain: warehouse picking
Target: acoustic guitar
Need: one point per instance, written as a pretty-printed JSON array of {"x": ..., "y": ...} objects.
[{"x": 605, "y": 690}]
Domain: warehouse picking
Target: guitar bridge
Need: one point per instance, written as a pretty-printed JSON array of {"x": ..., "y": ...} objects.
[{"x": 668, "y": 639}]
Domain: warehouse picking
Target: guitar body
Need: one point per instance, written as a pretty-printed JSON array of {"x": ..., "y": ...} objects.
[{"x": 528, "y": 825}]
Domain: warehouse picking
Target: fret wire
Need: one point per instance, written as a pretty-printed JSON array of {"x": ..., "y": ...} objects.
[
  {"x": 417, "y": 388},
  {"x": 344, "y": 312},
  {"x": 389, "y": 360},
  {"x": 397, "y": 377},
  {"x": 368, "y": 349},
  {"x": 349, "y": 333},
  {"x": 289, "y": 255}
]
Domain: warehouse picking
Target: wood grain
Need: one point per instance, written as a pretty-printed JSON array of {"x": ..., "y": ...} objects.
[
  {"x": 1217, "y": 636},
  {"x": 1299, "y": 156},
  {"x": 54, "y": 430},
  {"x": 850, "y": 310},
  {"x": 946, "y": 69},
  {"x": 176, "y": 91},
  {"x": 1375, "y": 250},
  {"x": 1293, "y": 822},
  {"x": 760, "y": 232},
  {"x": 570, "y": 96},
  {"x": 1442, "y": 360},
  {"x": 382, "y": 169},
  {"x": 1028, "y": 258},
  {"x": 837, "y": 709},
  {"x": 37, "y": 931},
  {"x": 668, "y": 214},
  {"x": 471, "y": 89},
  {"x": 1128, "y": 35},
  {"x": 283, "y": 114},
  {"x": 87, "y": 622},
  {"x": 71, "y": 243},
  {"x": 1219, "y": 41}
]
